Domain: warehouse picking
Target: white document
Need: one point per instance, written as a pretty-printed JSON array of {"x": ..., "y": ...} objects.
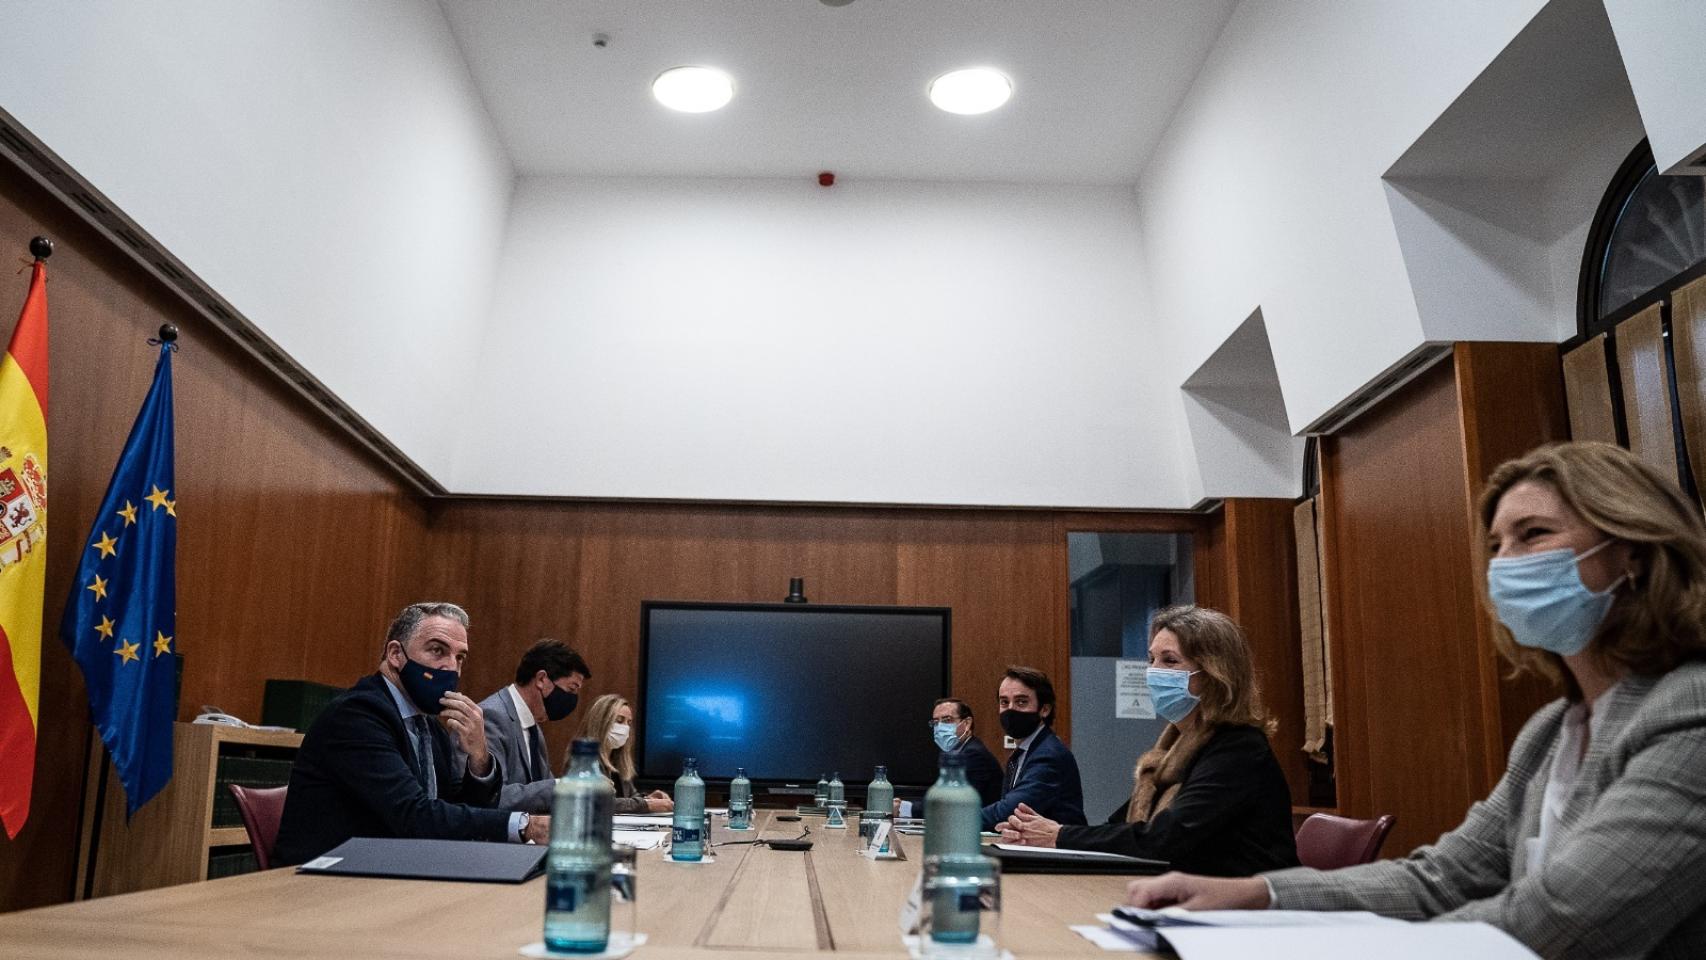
[
  {"x": 1103, "y": 937},
  {"x": 1398, "y": 941},
  {"x": 1131, "y": 691},
  {"x": 640, "y": 839},
  {"x": 642, "y": 820}
]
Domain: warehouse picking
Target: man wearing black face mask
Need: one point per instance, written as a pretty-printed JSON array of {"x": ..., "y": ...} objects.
[
  {"x": 401, "y": 754},
  {"x": 547, "y": 687},
  {"x": 1041, "y": 772}
]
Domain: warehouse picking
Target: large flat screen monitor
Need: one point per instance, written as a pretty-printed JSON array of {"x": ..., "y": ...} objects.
[{"x": 791, "y": 691}]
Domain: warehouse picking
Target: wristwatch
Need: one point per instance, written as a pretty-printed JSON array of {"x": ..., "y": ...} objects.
[{"x": 521, "y": 831}]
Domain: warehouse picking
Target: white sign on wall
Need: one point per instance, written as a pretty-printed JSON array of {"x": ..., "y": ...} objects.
[{"x": 1131, "y": 691}]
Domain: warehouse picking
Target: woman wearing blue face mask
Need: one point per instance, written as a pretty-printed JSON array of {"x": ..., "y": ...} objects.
[
  {"x": 1209, "y": 797},
  {"x": 1594, "y": 842}
]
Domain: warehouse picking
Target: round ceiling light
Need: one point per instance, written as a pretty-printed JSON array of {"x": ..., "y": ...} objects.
[
  {"x": 970, "y": 91},
  {"x": 694, "y": 89}
]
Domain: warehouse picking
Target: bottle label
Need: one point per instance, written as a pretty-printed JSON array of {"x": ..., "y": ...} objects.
[
  {"x": 686, "y": 835},
  {"x": 562, "y": 897},
  {"x": 568, "y": 892}
]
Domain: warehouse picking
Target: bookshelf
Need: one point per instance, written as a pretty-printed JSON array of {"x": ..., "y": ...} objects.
[{"x": 176, "y": 837}]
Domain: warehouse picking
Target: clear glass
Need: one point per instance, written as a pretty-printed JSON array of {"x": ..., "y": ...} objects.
[
  {"x": 578, "y": 860},
  {"x": 624, "y": 893},
  {"x": 837, "y": 802},
  {"x": 687, "y": 839},
  {"x": 961, "y": 908},
  {"x": 740, "y": 801},
  {"x": 953, "y": 812}
]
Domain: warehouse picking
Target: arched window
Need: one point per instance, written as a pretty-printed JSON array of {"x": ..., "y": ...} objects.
[
  {"x": 1648, "y": 238},
  {"x": 1647, "y": 241}
]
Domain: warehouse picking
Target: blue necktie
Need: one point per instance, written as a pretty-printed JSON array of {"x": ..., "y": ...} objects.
[{"x": 540, "y": 767}]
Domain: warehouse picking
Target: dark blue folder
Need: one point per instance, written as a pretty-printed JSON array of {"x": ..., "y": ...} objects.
[{"x": 462, "y": 860}]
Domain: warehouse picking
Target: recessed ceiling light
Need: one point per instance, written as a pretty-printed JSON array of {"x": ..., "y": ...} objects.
[
  {"x": 694, "y": 89},
  {"x": 973, "y": 90}
]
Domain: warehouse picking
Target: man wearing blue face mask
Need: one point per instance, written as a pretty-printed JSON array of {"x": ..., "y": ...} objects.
[
  {"x": 951, "y": 728},
  {"x": 547, "y": 686},
  {"x": 401, "y": 754}
]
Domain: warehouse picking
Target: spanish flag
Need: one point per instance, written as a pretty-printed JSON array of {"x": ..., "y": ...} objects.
[{"x": 23, "y": 548}]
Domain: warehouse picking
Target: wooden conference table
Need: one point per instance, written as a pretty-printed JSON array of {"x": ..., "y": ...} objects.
[{"x": 751, "y": 902}]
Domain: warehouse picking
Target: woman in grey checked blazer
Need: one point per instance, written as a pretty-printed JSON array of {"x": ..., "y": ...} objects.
[{"x": 1594, "y": 842}]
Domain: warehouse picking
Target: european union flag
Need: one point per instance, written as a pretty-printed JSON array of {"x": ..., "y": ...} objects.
[{"x": 122, "y": 613}]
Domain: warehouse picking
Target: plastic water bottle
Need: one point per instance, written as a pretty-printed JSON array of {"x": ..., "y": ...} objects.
[
  {"x": 953, "y": 812},
  {"x": 740, "y": 801},
  {"x": 821, "y": 797},
  {"x": 953, "y": 816},
  {"x": 577, "y": 872},
  {"x": 879, "y": 796},
  {"x": 688, "y": 839}
]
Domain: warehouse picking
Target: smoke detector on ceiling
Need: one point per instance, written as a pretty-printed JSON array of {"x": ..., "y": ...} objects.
[{"x": 835, "y": 3}]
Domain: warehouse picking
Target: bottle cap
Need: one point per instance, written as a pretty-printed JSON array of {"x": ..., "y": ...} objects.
[
  {"x": 583, "y": 748},
  {"x": 953, "y": 761}
]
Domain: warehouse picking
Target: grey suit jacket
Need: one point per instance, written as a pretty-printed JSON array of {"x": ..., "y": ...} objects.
[
  {"x": 1625, "y": 873},
  {"x": 507, "y": 741}
]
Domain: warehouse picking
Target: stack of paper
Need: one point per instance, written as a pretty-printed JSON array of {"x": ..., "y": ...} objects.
[
  {"x": 1296, "y": 935},
  {"x": 640, "y": 839}
]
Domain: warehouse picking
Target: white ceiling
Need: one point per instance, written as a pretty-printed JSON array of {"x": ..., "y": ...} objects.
[{"x": 836, "y": 88}]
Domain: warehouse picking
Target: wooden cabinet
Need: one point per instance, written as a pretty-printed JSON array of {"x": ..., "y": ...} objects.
[{"x": 173, "y": 837}]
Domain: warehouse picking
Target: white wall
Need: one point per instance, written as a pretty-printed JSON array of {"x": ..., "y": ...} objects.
[
  {"x": 326, "y": 166},
  {"x": 1662, "y": 42},
  {"x": 1267, "y": 192},
  {"x": 1492, "y": 204},
  {"x": 774, "y": 340}
]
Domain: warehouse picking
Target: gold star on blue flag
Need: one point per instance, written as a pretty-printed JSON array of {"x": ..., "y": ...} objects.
[{"x": 126, "y": 586}]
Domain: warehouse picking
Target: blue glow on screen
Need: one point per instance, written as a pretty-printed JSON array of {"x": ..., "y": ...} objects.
[{"x": 791, "y": 694}]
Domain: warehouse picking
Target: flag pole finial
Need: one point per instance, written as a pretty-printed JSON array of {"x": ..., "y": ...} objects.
[
  {"x": 168, "y": 333},
  {"x": 41, "y": 248}
]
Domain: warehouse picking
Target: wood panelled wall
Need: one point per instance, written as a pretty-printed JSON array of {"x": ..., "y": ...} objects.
[
  {"x": 294, "y": 546},
  {"x": 1252, "y": 576},
  {"x": 579, "y": 571},
  {"x": 1423, "y": 713}
]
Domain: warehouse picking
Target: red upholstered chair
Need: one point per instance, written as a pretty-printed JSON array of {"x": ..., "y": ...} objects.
[
  {"x": 262, "y": 808},
  {"x": 1326, "y": 842}
]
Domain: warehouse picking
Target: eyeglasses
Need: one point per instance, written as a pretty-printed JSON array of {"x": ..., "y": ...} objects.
[{"x": 952, "y": 720}]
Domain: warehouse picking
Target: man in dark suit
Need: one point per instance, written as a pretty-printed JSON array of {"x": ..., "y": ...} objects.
[
  {"x": 547, "y": 687},
  {"x": 1041, "y": 771},
  {"x": 401, "y": 754},
  {"x": 951, "y": 727}
]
